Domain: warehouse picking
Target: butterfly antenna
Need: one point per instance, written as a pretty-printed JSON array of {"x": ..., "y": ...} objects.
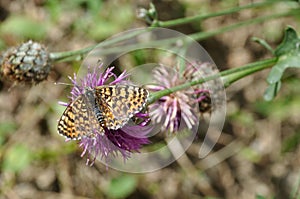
[{"x": 63, "y": 83}]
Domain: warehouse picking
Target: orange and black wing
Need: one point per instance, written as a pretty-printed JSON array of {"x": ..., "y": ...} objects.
[
  {"x": 78, "y": 120},
  {"x": 119, "y": 103}
]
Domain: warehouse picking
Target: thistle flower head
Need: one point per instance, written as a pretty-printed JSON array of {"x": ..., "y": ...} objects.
[
  {"x": 105, "y": 142},
  {"x": 27, "y": 63},
  {"x": 179, "y": 109}
]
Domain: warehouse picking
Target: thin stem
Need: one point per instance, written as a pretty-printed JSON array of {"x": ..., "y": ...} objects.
[
  {"x": 228, "y": 77},
  {"x": 204, "y": 35},
  {"x": 58, "y": 56},
  {"x": 64, "y": 55},
  {"x": 197, "y": 36},
  {"x": 263, "y": 43},
  {"x": 201, "y": 17},
  {"x": 250, "y": 66}
]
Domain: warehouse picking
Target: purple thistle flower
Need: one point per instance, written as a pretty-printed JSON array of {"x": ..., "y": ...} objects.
[
  {"x": 109, "y": 144},
  {"x": 179, "y": 109}
]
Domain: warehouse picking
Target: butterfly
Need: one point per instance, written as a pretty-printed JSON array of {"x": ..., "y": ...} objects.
[{"x": 108, "y": 106}]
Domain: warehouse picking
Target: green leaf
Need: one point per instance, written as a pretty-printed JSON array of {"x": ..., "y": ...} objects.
[
  {"x": 289, "y": 42},
  {"x": 263, "y": 43},
  {"x": 282, "y": 64},
  {"x": 94, "y": 6},
  {"x": 282, "y": 109},
  {"x": 122, "y": 186},
  {"x": 259, "y": 197},
  {"x": 16, "y": 158},
  {"x": 2, "y": 45},
  {"x": 272, "y": 91},
  {"x": 5, "y": 129},
  {"x": 288, "y": 54},
  {"x": 250, "y": 154},
  {"x": 54, "y": 8},
  {"x": 291, "y": 143},
  {"x": 23, "y": 27}
]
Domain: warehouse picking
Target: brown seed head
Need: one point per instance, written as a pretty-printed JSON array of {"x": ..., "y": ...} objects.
[{"x": 27, "y": 63}]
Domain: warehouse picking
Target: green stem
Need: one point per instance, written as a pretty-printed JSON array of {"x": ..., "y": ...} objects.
[
  {"x": 263, "y": 43},
  {"x": 228, "y": 77},
  {"x": 197, "y": 36},
  {"x": 204, "y": 35},
  {"x": 58, "y": 56},
  {"x": 201, "y": 17}
]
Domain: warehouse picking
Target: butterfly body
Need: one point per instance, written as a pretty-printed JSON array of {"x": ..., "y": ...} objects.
[
  {"x": 101, "y": 107},
  {"x": 90, "y": 98}
]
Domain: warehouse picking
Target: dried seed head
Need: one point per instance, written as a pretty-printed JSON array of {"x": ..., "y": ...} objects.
[{"x": 27, "y": 63}]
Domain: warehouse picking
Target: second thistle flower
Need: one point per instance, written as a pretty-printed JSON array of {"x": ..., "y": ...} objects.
[{"x": 180, "y": 109}]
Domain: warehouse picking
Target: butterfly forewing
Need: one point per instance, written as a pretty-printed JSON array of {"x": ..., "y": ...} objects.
[
  {"x": 66, "y": 124},
  {"x": 78, "y": 120},
  {"x": 119, "y": 103}
]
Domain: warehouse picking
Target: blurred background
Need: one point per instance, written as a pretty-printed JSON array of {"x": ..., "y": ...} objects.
[{"x": 258, "y": 152}]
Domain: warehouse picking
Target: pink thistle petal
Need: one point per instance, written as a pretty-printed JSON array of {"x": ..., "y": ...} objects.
[{"x": 179, "y": 108}]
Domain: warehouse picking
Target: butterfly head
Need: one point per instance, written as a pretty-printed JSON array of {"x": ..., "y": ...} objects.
[{"x": 89, "y": 92}]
